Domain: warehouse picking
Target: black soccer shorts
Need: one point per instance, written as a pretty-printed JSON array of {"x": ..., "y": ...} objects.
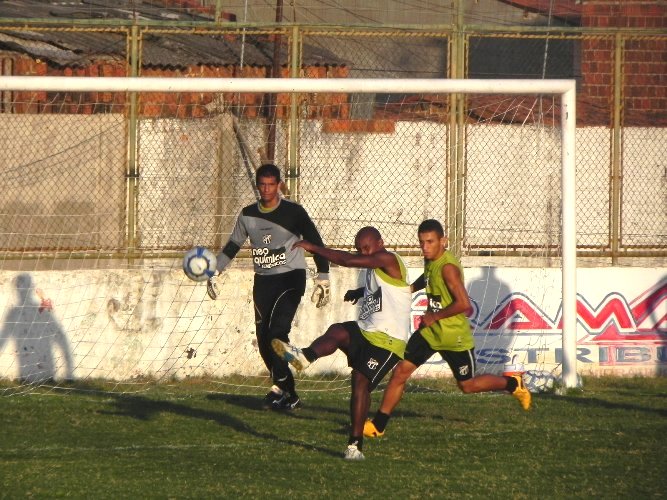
[
  {"x": 372, "y": 361},
  {"x": 462, "y": 363}
]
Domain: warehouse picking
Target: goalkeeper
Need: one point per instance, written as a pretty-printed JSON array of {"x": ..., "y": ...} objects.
[{"x": 273, "y": 225}]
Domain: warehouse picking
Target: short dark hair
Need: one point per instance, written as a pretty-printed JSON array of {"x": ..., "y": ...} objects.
[
  {"x": 267, "y": 170},
  {"x": 431, "y": 225},
  {"x": 369, "y": 231}
]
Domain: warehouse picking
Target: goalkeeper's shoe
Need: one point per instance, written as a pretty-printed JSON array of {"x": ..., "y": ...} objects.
[
  {"x": 273, "y": 395},
  {"x": 353, "y": 453},
  {"x": 522, "y": 393},
  {"x": 371, "y": 431},
  {"x": 213, "y": 288},
  {"x": 287, "y": 402},
  {"x": 293, "y": 355}
]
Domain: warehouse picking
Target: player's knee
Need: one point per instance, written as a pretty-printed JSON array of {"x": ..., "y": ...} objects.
[{"x": 402, "y": 372}]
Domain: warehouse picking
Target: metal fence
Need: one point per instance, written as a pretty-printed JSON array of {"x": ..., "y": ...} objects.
[{"x": 151, "y": 174}]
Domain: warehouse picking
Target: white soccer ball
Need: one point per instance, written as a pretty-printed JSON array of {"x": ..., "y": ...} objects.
[
  {"x": 199, "y": 264},
  {"x": 537, "y": 381}
]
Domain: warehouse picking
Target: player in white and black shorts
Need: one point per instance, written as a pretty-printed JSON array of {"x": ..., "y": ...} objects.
[{"x": 374, "y": 343}]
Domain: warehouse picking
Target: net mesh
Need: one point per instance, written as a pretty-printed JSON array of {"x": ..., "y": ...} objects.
[{"x": 93, "y": 242}]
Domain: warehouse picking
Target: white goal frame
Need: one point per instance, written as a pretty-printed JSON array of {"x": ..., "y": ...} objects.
[{"x": 565, "y": 89}]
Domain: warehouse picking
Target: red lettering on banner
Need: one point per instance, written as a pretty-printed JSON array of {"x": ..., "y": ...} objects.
[
  {"x": 613, "y": 320},
  {"x": 613, "y": 310},
  {"x": 519, "y": 313},
  {"x": 650, "y": 313}
]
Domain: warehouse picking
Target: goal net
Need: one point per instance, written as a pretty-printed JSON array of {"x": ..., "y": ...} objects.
[{"x": 106, "y": 182}]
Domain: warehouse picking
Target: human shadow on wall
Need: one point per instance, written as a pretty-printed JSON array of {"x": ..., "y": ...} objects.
[
  {"x": 488, "y": 294},
  {"x": 37, "y": 335}
]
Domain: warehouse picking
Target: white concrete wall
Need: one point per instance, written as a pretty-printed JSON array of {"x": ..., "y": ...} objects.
[{"x": 153, "y": 322}]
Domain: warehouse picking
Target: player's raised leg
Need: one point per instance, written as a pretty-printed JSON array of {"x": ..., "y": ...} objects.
[
  {"x": 336, "y": 337},
  {"x": 292, "y": 354}
]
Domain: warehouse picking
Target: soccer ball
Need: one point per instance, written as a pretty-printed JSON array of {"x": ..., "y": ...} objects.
[
  {"x": 199, "y": 264},
  {"x": 539, "y": 381}
]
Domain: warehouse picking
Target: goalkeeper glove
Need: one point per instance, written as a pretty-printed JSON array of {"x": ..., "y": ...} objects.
[
  {"x": 353, "y": 295},
  {"x": 213, "y": 288},
  {"x": 321, "y": 293}
]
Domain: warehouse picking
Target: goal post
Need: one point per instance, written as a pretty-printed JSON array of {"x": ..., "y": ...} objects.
[{"x": 565, "y": 90}]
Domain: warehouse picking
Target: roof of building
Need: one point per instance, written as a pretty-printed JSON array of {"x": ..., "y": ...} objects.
[{"x": 78, "y": 47}]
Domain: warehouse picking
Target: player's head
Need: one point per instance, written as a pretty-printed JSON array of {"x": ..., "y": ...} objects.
[
  {"x": 267, "y": 178},
  {"x": 368, "y": 241},
  {"x": 432, "y": 239},
  {"x": 267, "y": 170}
]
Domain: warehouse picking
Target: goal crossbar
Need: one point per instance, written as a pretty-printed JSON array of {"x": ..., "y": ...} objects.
[{"x": 565, "y": 89}]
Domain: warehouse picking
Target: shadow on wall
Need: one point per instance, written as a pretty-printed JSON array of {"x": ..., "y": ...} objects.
[
  {"x": 41, "y": 346},
  {"x": 487, "y": 293}
]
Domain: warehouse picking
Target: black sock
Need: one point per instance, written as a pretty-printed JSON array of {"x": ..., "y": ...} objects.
[
  {"x": 512, "y": 384},
  {"x": 380, "y": 420},
  {"x": 356, "y": 440},
  {"x": 309, "y": 354}
]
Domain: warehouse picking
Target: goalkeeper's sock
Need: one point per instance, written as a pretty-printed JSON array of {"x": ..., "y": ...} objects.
[
  {"x": 380, "y": 421},
  {"x": 309, "y": 354},
  {"x": 512, "y": 384}
]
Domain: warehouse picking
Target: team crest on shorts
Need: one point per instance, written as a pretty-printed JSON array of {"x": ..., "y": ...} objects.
[
  {"x": 372, "y": 364},
  {"x": 464, "y": 370}
]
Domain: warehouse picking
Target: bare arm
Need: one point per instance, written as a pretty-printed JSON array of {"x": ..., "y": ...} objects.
[
  {"x": 460, "y": 299},
  {"x": 382, "y": 259}
]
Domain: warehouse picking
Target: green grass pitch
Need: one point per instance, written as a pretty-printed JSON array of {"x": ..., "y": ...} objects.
[{"x": 187, "y": 440}]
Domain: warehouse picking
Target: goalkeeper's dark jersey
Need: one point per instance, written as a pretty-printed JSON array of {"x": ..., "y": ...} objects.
[{"x": 272, "y": 233}]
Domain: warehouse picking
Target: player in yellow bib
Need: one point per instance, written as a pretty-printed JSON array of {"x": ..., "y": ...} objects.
[{"x": 444, "y": 330}]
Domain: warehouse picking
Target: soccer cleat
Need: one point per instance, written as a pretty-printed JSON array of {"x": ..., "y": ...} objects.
[
  {"x": 293, "y": 355},
  {"x": 370, "y": 430},
  {"x": 213, "y": 288},
  {"x": 353, "y": 453},
  {"x": 287, "y": 402},
  {"x": 522, "y": 394},
  {"x": 274, "y": 394}
]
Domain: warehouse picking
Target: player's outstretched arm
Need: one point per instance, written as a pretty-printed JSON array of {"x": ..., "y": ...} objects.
[{"x": 383, "y": 259}]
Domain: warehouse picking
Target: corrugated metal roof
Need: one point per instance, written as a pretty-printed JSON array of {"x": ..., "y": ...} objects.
[
  {"x": 65, "y": 48},
  {"x": 80, "y": 48},
  {"x": 91, "y": 9}
]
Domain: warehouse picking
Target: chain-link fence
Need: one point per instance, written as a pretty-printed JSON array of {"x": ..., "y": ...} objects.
[{"x": 154, "y": 173}]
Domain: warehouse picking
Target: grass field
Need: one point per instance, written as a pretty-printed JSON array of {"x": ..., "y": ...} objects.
[{"x": 188, "y": 441}]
